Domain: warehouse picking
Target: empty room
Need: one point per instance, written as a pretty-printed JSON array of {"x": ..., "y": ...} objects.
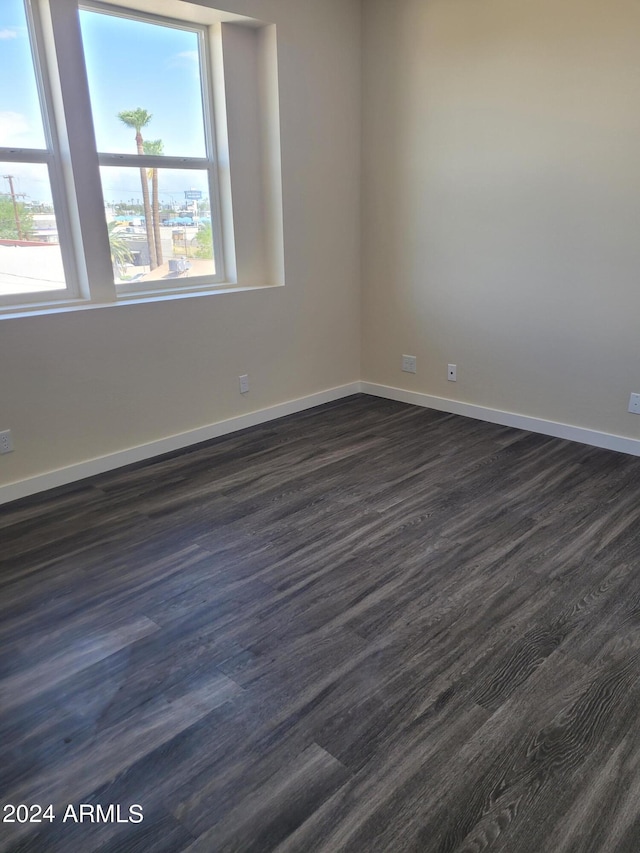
[{"x": 319, "y": 426}]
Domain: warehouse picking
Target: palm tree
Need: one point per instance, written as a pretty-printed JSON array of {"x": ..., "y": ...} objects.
[
  {"x": 155, "y": 146},
  {"x": 120, "y": 252},
  {"x": 137, "y": 119}
]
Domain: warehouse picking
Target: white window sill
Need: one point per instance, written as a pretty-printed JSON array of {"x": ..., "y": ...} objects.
[{"x": 144, "y": 298}]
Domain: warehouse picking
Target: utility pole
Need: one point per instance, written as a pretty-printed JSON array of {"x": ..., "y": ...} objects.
[{"x": 14, "y": 200}]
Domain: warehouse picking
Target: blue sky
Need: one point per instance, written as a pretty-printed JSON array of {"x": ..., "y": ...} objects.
[
  {"x": 130, "y": 64},
  {"x": 20, "y": 122}
]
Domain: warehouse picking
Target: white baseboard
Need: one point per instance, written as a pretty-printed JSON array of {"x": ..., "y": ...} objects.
[
  {"x": 73, "y": 473},
  {"x": 604, "y": 440}
]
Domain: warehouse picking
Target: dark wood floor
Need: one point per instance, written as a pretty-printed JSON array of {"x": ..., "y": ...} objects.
[{"x": 367, "y": 627}]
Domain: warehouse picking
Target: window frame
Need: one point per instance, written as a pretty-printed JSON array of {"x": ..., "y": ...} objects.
[
  {"x": 209, "y": 163},
  {"x": 51, "y": 158}
]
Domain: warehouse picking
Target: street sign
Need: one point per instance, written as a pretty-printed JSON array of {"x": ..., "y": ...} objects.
[{"x": 192, "y": 195}]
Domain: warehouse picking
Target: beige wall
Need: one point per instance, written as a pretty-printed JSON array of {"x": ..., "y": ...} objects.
[
  {"x": 85, "y": 384},
  {"x": 500, "y": 207},
  {"x": 502, "y": 204}
]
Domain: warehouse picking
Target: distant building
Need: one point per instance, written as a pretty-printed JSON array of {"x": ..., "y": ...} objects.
[{"x": 45, "y": 229}]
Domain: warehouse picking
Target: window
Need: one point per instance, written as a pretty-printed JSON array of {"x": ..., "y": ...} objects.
[
  {"x": 116, "y": 180},
  {"x": 35, "y": 256},
  {"x": 163, "y": 216}
]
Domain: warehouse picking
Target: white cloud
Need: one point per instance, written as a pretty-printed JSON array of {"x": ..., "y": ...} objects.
[
  {"x": 184, "y": 59},
  {"x": 13, "y": 127},
  {"x": 8, "y": 34}
]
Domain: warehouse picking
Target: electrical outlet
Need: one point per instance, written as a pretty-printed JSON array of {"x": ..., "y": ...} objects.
[
  {"x": 452, "y": 373},
  {"x": 634, "y": 404},
  {"x": 6, "y": 441},
  {"x": 409, "y": 363},
  {"x": 244, "y": 383}
]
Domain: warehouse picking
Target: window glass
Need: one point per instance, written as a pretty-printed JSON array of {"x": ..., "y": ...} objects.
[
  {"x": 180, "y": 223},
  {"x": 145, "y": 77},
  {"x": 30, "y": 258},
  {"x": 20, "y": 116}
]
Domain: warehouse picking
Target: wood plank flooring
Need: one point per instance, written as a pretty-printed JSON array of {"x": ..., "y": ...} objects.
[{"x": 366, "y": 627}]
